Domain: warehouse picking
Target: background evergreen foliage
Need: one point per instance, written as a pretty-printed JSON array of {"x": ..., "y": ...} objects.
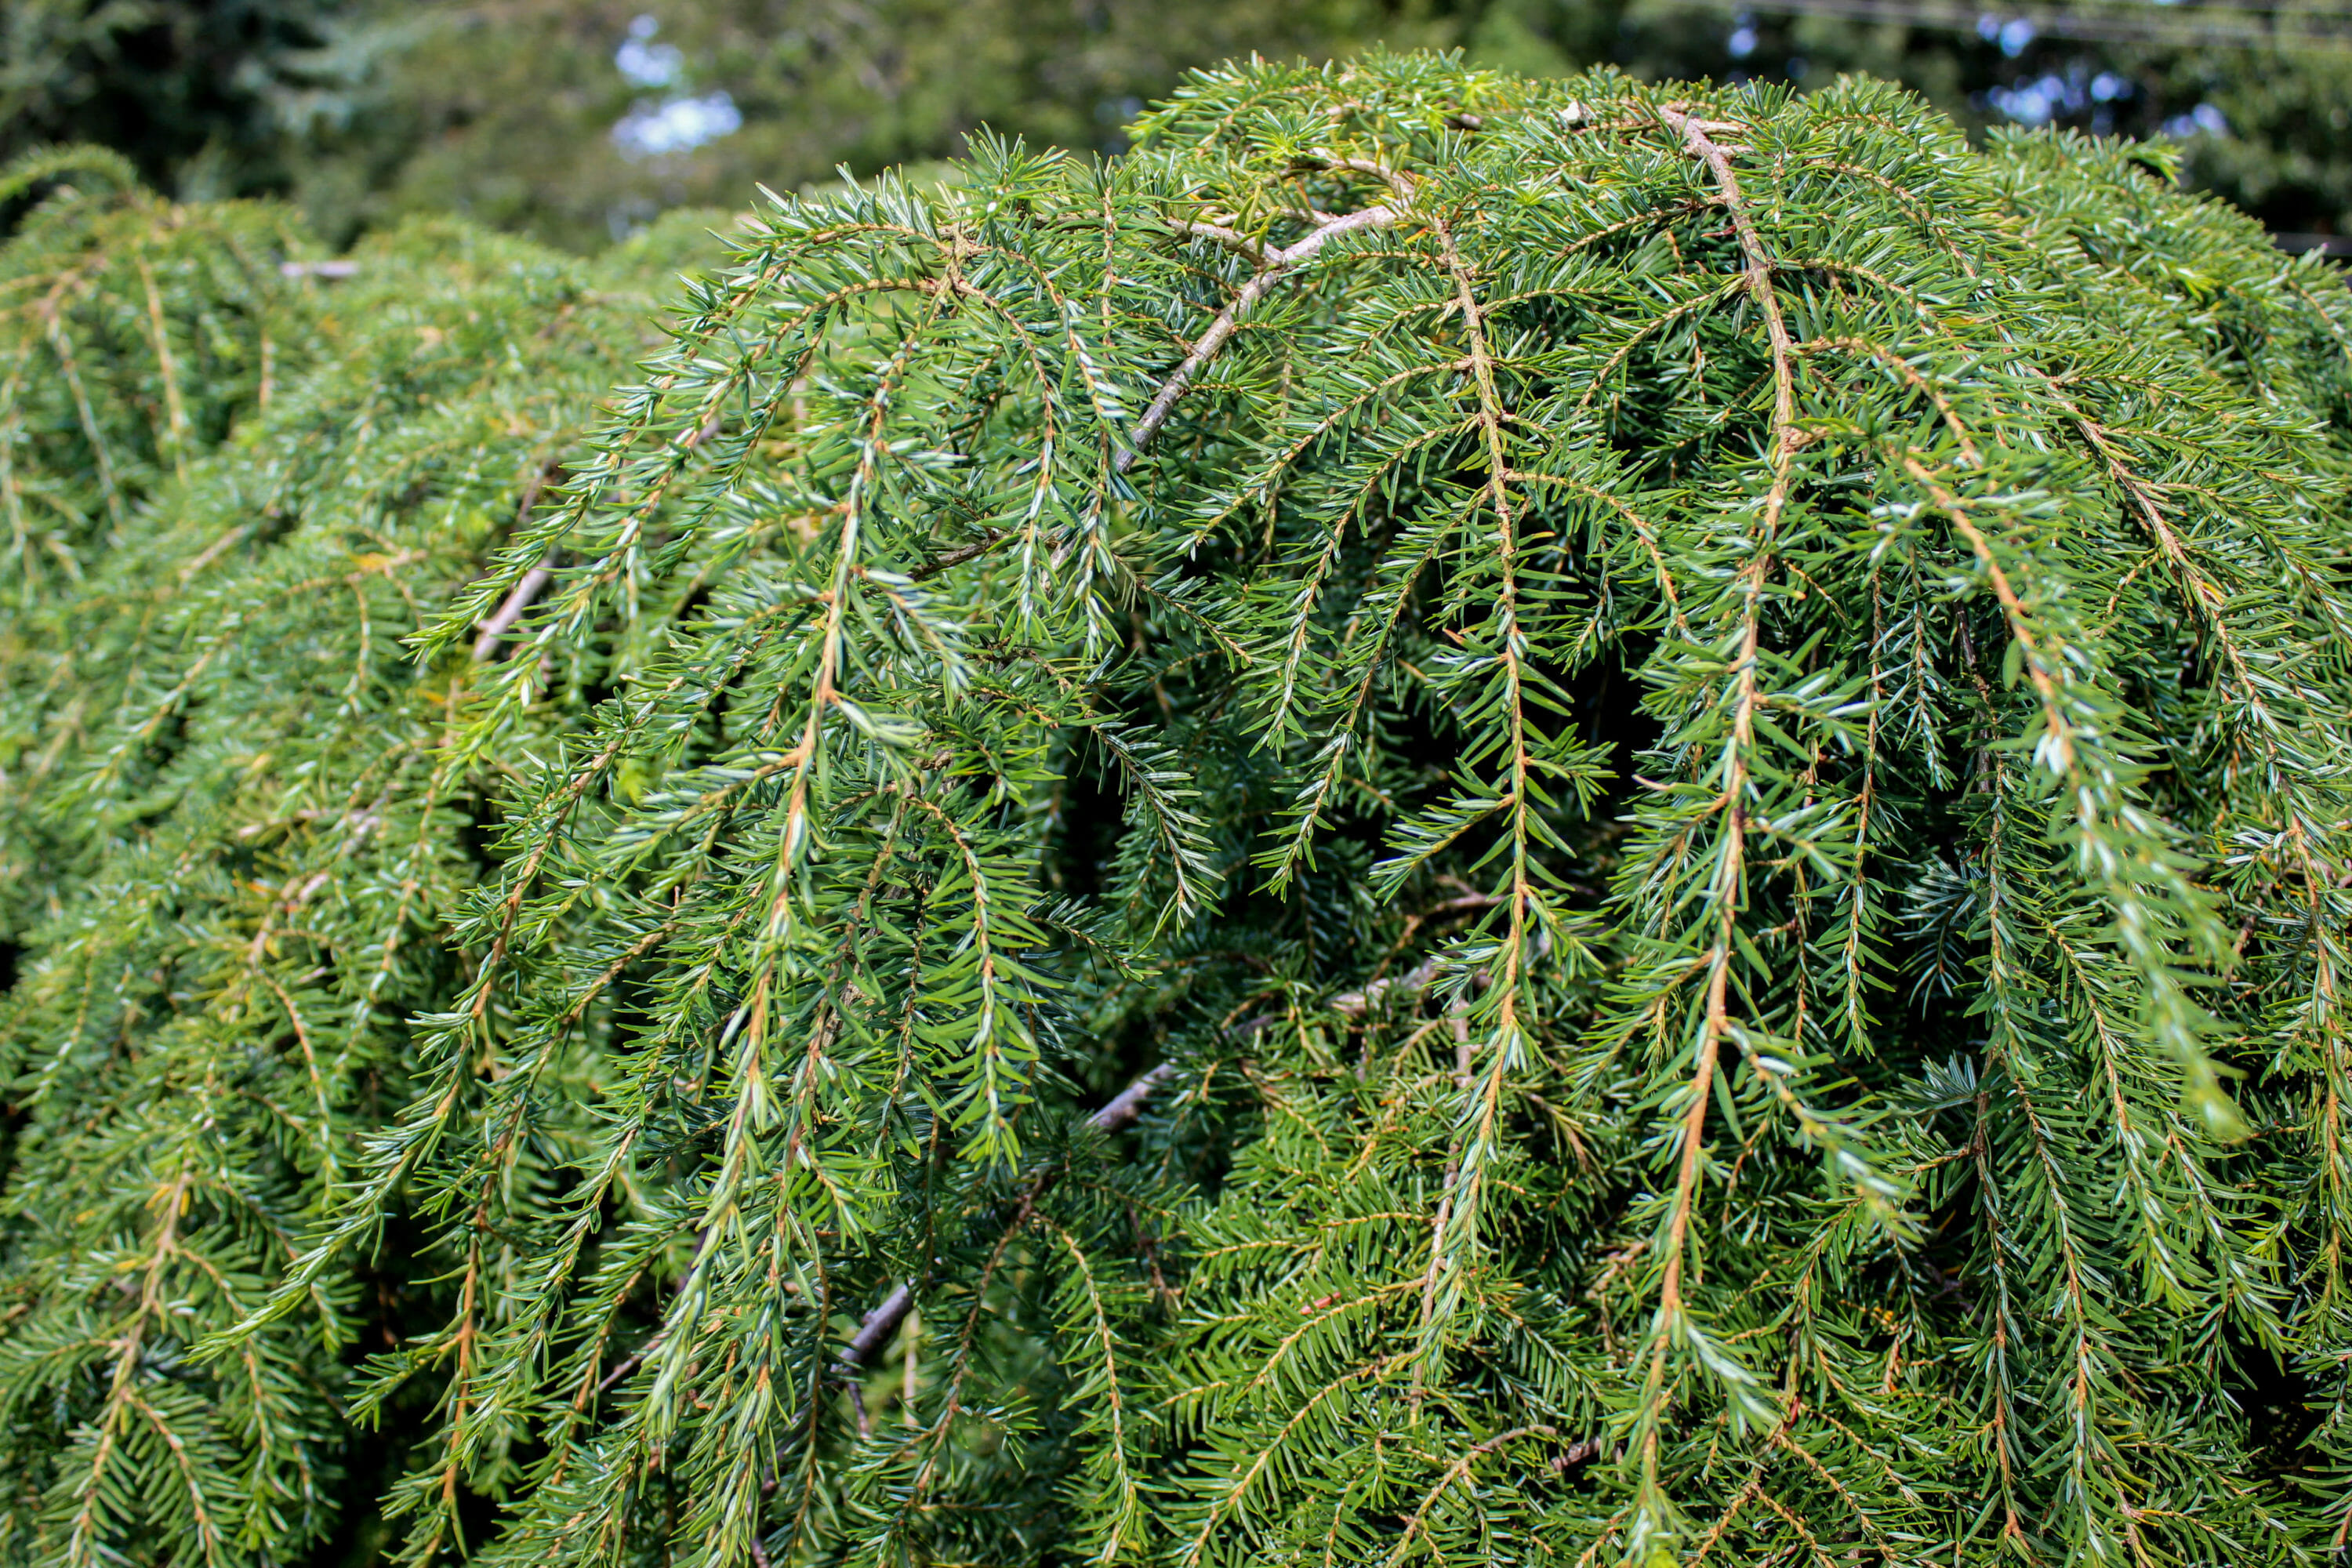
[
  {"x": 505, "y": 112},
  {"x": 552, "y": 118},
  {"x": 201, "y": 95},
  {"x": 1688, "y": 747}
]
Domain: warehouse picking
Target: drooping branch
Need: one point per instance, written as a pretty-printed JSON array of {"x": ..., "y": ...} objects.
[
  {"x": 1532, "y": 520},
  {"x": 1698, "y": 139},
  {"x": 1728, "y": 884}
]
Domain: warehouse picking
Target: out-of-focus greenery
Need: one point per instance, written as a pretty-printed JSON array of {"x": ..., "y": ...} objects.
[
  {"x": 512, "y": 107},
  {"x": 576, "y": 121},
  {"x": 207, "y": 98},
  {"x": 2269, "y": 129}
]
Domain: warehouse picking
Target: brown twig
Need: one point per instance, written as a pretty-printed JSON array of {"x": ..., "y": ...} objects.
[
  {"x": 1356, "y": 1004},
  {"x": 535, "y": 581},
  {"x": 518, "y": 600},
  {"x": 1699, "y": 140},
  {"x": 1272, "y": 265},
  {"x": 956, "y": 557},
  {"x": 883, "y": 1322},
  {"x": 502, "y": 620},
  {"x": 629, "y": 1365}
]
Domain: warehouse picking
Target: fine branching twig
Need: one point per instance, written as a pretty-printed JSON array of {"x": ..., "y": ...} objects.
[
  {"x": 1273, "y": 267},
  {"x": 883, "y": 1322}
]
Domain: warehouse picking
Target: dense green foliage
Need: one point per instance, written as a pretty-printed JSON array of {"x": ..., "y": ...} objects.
[
  {"x": 230, "y": 493},
  {"x": 1694, "y": 740}
]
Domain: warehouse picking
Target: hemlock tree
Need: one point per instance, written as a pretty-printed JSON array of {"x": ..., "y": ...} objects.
[{"x": 1456, "y": 821}]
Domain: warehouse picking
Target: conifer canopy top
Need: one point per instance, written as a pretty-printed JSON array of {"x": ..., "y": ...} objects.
[{"x": 1455, "y": 821}]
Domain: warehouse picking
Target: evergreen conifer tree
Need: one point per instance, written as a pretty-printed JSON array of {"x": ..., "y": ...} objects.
[{"x": 1455, "y": 821}]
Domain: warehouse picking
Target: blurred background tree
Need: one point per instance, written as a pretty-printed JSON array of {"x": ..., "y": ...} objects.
[
  {"x": 578, "y": 120},
  {"x": 207, "y": 98}
]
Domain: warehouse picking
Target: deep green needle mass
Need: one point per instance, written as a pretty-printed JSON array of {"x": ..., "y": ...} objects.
[{"x": 1454, "y": 821}]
